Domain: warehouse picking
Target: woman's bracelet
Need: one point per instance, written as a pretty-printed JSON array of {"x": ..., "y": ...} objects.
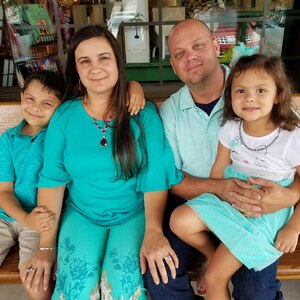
[{"x": 42, "y": 248}]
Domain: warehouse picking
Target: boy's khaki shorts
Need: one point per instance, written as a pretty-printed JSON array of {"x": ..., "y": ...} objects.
[{"x": 10, "y": 233}]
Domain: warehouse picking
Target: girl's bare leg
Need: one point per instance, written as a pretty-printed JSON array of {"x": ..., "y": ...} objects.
[
  {"x": 189, "y": 227},
  {"x": 220, "y": 270}
]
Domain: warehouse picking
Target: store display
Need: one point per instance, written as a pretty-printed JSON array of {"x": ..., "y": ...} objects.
[
  {"x": 233, "y": 23},
  {"x": 37, "y": 14},
  {"x": 32, "y": 49},
  {"x": 136, "y": 37}
]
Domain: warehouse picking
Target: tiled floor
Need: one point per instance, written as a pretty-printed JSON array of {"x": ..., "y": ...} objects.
[{"x": 290, "y": 288}]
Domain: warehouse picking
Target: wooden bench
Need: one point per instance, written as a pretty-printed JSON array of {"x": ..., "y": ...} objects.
[
  {"x": 9, "y": 272},
  {"x": 289, "y": 267}
]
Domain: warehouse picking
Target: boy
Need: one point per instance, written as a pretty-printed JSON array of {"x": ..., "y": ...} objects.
[{"x": 21, "y": 159}]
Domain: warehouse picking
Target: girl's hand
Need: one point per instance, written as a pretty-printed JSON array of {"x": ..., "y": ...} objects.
[
  {"x": 287, "y": 239},
  {"x": 135, "y": 98},
  {"x": 39, "y": 219},
  {"x": 157, "y": 251}
]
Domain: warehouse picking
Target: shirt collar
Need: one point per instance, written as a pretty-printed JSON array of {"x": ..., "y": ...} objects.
[
  {"x": 187, "y": 100},
  {"x": 18, "y": 130}
]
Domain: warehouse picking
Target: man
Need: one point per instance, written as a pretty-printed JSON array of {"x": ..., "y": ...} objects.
[{"x": 192, "y": 119}]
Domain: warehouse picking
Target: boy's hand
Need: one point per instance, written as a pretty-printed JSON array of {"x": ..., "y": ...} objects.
[
  {"x": 135, "y": 98},
  {"x": 39, "y": 219},
  {"x": 287, "y": 239}
]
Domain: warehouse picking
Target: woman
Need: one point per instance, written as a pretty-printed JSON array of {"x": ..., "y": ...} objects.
[{"x": 117, "y": 168}]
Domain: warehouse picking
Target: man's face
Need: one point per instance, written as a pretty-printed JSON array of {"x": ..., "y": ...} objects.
[{"x": 193, "y": 52}]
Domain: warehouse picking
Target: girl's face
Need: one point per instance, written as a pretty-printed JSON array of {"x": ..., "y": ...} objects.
[
  {"x": 96, "y": 65},
  {"x": 37, "y": 106},
  {"x": 253, "y": 94}
]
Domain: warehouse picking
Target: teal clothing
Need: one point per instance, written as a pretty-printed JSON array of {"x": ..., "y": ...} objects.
[
  {"x": 194, "y": 147},
  {"x": 74, "y": 157},
  {"x": 249, "y": 239},
  {"x": 102, "y": 227},
  {"x": 99, "y": 260},
  {"x": 21, "y": 159}
]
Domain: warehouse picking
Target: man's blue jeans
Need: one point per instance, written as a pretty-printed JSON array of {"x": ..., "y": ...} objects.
[{"x": 248, "y": 284}]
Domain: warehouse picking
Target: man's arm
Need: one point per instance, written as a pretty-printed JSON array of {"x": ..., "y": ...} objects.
[
  {"x": 246, "y": 199},
  {"x": 242, "y": 195}
]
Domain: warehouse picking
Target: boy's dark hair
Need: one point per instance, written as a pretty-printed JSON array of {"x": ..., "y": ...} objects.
[
  {"x": 282, "y": 114},
  {"x": 52, "y": 81}
]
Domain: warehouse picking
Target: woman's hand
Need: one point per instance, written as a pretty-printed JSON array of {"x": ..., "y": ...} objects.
[
  {"x": 38, "y": 270},
  {"x": 157, "y": 252}
]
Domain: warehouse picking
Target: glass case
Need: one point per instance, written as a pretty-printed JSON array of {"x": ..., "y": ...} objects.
[{"x": 39, "y": 31}]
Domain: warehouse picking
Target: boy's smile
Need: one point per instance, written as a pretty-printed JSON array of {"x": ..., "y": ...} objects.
[{"x": 37, "y": 107}]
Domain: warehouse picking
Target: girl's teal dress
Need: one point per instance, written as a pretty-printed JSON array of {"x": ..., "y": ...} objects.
[
  {"x": 249, "y": 239},
  {"x": 102, "y": 226}
]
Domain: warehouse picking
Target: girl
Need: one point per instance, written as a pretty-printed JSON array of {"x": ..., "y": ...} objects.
[
  {"x": 260, "y": 138},
  {"x": 117, "y": 168}
]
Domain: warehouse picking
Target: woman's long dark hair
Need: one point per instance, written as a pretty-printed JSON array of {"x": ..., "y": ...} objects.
[
  {"x": 124, "y": 147},
  {"x": 282, "y": 114}
]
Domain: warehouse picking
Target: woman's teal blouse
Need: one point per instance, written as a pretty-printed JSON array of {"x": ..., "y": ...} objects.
[{"x": 73, "y": 156}]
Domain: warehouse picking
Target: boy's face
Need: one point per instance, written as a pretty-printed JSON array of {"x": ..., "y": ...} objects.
[{"x": 38, "y": 105}]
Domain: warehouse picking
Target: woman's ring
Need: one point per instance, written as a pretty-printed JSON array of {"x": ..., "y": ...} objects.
[
  {"x": 31, "y": 270},
  {"x": 166, "y": 258}
]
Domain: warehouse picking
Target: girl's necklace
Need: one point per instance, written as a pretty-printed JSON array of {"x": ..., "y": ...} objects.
[
  {"x": 103, "y": 141},
  {"x": 259, "y": 148}
]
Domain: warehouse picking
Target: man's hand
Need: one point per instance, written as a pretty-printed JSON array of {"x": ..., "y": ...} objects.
[
  {"x": 157, "y": 251},
  {"x": 39, "y": 219},
  {"x": 274, "y": 196},
  {"x": 241, "y": 195}
]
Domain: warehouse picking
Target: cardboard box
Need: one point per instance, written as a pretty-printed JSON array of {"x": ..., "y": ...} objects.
[
  {"x": 88, "y": 14},
  {"x": 176, "y": 13}
]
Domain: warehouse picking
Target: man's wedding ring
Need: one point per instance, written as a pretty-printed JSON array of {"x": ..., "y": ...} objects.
[
  {"x": 166, "y": 258},
  {"x": 31, "y": 270}
]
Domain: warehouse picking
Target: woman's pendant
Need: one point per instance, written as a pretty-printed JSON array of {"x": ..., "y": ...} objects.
[{"x": 103, "y": 142}]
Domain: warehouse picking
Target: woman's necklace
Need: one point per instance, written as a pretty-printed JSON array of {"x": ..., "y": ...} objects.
[
  {"x": 103, "y": 141},
  {"x": 258, "y": 148}
]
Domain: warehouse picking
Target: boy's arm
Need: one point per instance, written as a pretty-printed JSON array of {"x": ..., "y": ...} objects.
[
  {"x": 39, "y": 219},
  {"x": 135, "y": 97},
  {"x": 43, "y": 260}
]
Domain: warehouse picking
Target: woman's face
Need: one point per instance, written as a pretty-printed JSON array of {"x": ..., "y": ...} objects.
[{"x": 96, "y": 65}]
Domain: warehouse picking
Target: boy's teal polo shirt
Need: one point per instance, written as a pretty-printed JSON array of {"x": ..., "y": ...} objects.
[
  {"x": 192, "y": 134},
  {"x": 21, "y": 159}
]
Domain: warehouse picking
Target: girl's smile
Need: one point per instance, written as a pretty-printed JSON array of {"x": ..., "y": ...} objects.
[{"x": 253, "y": 95}]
